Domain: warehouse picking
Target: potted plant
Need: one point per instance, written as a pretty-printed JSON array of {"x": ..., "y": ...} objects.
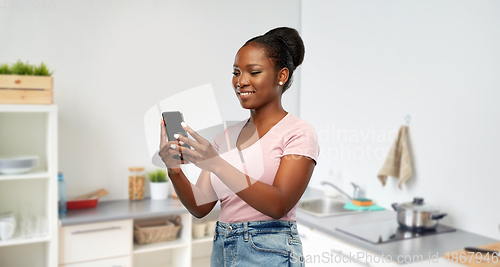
[
  {"x": 158, "y": 184},
  {"x": 22, "y": 83}
]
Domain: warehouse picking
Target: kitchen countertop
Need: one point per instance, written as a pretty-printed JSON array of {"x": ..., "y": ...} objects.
[
  {"x": 147, "y": 208},
  {"x": 439, "y": 243},
  {"x": 122, "y": 210}
]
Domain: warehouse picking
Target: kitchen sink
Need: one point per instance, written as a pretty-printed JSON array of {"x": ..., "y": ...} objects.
[{"x": 325, "y": 206}]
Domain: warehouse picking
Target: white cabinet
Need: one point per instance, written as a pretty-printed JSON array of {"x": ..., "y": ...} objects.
[
  {"x": 30, "y": 130},
  {"x": 111, "y": 244},
  {"x": 321, "y": 249},
  {"x": 95, "y": 241}
]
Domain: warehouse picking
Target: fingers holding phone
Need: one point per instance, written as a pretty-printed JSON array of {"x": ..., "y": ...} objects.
[
  {"x": 172, "y": 127},
  {"x": 170, "y": 156},
  {"x": 166, "y": 153}
]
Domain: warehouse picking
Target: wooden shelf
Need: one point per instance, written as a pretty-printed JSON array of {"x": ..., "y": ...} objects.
[
  {"x": 160, "y": 246},
  {"x": 31, "y": 175},
  {"x": 21, "y": 241}
]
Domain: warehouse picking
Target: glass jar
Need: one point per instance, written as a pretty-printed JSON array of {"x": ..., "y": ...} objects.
[{"x": 136, "y": 180}]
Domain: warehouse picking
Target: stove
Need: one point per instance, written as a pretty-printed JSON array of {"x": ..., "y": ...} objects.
[{"x": 388, "y": 231}]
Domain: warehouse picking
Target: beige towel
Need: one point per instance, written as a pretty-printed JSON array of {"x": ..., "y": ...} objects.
[{"x": 398, "y": 162}]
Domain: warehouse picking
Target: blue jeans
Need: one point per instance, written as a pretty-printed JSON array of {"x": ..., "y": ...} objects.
[{"x": 257, "y": 243}]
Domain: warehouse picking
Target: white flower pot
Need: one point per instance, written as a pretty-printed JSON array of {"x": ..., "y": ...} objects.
[{"x": 159, "y": 190}]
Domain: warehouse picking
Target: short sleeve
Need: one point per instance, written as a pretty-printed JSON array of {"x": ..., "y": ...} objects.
[{"x": 301, "y": 139}]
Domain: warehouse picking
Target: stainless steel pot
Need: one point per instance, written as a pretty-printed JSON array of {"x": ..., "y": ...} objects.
[{"x": 418, "y": 215}]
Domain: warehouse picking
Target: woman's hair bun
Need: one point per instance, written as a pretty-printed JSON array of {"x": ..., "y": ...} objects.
[
  {"x": 285, "y": 47},
  {"x": 292, "y": 40}
]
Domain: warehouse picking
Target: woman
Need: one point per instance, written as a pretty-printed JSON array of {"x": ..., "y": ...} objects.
[{"x": 258, "y": 168}]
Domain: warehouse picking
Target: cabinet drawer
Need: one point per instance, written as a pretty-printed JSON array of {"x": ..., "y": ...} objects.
[
  {"x": 95, "y": 241},
  {"x": 114, "y": 262}
]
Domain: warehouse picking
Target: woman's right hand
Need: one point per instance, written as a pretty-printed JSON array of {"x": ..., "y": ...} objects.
[{"x": 166, "y": 154}]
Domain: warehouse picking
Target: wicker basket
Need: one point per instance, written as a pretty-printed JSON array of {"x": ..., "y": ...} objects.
[{"x": 157, "y": 231}]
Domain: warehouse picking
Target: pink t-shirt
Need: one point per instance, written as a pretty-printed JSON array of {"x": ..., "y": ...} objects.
[{"x": 261, "y": 160}]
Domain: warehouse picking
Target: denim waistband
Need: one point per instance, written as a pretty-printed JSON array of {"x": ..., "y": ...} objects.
[{"x": 270, "y": 226}]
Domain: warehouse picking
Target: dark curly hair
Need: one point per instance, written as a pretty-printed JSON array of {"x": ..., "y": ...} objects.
[{"x": 284, "y": 47}]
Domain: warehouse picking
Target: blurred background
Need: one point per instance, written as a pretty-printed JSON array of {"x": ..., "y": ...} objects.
[{"x": 368, "y": 65}]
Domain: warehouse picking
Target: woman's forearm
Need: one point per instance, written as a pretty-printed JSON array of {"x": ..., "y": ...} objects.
[{"x": 186, "y": 192}]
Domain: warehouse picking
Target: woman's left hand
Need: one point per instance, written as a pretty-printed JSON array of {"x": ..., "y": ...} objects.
[{"x": 203, "y": 154}]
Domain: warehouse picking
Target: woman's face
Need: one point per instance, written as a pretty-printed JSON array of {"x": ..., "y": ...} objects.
[{"x": 256, "y": 77}]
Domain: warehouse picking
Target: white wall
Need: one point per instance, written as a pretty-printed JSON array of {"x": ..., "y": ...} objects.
[
  {"x": 370, "y": 63},
  {"x": 116, "y": 59}
]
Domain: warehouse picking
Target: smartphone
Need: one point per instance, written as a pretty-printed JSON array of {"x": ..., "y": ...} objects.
[{"x": 173, "y": 126}]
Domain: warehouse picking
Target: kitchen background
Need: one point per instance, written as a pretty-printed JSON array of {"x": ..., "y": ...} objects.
[{"x": 368, "y": 65}]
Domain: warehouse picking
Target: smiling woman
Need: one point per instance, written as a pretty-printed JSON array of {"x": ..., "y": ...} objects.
[{"x": 259, "y": 168}]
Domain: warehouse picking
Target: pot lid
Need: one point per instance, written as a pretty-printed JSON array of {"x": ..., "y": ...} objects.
[{"x": 419, "y": 205}]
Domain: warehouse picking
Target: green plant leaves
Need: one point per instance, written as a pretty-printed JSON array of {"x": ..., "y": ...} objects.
[
  {"x": 158, "y": 176},
  {"x": 4, "y": 69},
  {"x": 20, "y": 68},
  {"x": 42, "y": 70}
]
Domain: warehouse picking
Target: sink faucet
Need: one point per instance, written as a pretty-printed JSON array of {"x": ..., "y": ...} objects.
[
  {"x": 338, "y": 189},
  {"x": 358, "y": 193}
]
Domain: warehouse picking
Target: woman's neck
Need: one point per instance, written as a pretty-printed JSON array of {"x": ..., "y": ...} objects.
[{"x": 267, "y": 115}]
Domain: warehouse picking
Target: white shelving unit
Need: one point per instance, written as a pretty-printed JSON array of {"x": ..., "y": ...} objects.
[
  {"x": 202, "y": 240},
  {"x": 170, "y": 253},
  {"x": 201, "y": 248},
  {"x": 184, "y": 251},
  {"x": 31, "y": 175},
  {"x": 30, "y": 130},
  {"x": 16, "y": 240}
]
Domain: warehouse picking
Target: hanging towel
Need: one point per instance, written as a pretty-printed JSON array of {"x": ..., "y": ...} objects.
[{"x": 398, "y": 162}]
